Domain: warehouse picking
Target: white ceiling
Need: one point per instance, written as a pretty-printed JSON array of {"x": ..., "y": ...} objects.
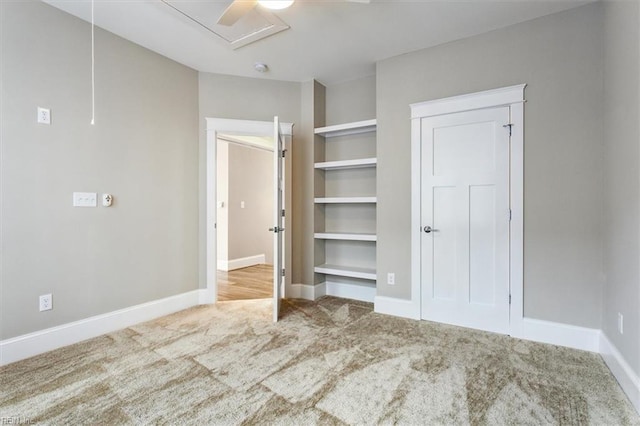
[{"x": 329, "y": 40}]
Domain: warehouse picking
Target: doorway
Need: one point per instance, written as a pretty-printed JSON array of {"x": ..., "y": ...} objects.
[
  {"x": 467, "y": 210},
  {"x": 244, "y": 203},
  {"x": 281, "y": 193}
]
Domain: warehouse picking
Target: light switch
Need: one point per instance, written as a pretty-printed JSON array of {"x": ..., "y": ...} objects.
[
  {"x": 242, "y": 204},
  {"x": 85, "y": 199}
]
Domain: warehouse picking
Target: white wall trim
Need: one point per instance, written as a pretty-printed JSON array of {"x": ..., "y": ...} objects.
[
  {"x": 363, "y": 293},
  {"x": 396, "y": 307},
  {"x": 246, "y": 127},
  {"x": 554, "y": 333},
  {"x": 307, "y": 292},
  {"x": 242, "y": 262},
  {"x": 478, "y": 100},
  {"x": 214, "y": 126},
  {"x": 28, "y": 345},
  {"x": 629, "y": 381},
  {"x": 513, "y": 97}
]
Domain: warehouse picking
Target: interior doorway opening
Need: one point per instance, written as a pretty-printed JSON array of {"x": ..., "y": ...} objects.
[
  {"x": 280, "y": 226},
  {"x": 244, "y": 204}
]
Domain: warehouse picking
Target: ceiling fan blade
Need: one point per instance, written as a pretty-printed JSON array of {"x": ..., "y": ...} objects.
[{"x": 235, "y": 11}]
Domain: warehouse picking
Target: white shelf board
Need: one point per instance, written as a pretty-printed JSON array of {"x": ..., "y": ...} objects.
[
  {"x": 347, "y": 271},
  {"x": 347, "y": 164},
  {"x": 346, "y": 200},
  {"x": 347, "y": 128},
  {"x": 345, "y": 236}
]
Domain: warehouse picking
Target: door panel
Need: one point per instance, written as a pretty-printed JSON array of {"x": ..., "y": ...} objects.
[
  {"x": 465, "y": 201},
  {"x": 482, "y": 240},
  {"x": 464, "y": 147},
  {"x": 278, "y": 227},
  {"x": 444, "y": 249}
]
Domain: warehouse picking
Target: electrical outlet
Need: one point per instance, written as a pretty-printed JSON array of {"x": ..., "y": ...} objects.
[
  {"x": 46, "y": 302},
  {"x": 44, "y": 115},
  {"x": 391, "y": 278},
  {"x": 620, "y": 323}
]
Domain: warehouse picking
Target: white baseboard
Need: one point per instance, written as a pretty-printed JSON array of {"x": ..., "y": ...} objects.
[
  {"x": 363, "y": 293},
  {"x": 396, "y": 307},
  {"x": 622, "y": 371},
  {"x": 207, "y": 296},
  {"x": 31, "y": 344},
  {"x": 243, "y": 262},
  {"x": 571, "y": 336},
  {"x": 306, "y": 291}
]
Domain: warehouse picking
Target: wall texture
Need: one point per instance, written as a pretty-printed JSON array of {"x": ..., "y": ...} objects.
[
  {"x": 225, "y": 96},
  {"x": 251, "y": 182},
  {"x": 353, "y": 100},
  {"x": 622, "y": 177},
  {"x": 560, "y": 58},
  {"x": 222, "y": 195},
  {"x": 143, "y": 149}
]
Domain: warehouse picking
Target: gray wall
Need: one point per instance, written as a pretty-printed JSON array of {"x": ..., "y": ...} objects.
[
  {"x": 622, "y": 177},
  {"x": 222, "y": 195},
  {"x": 251, "y": 182},
  {"x": 560, "y": 57},
  {"x": 307, "y": 215},
  {"x": 225, "y": 96},
  {"x": 353, "y": 100},
  {"x": 143, "y": 149}
]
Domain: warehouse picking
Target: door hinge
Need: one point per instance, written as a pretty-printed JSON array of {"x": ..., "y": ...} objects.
[
  {"x": 510, "y": 215},
  {"x": 283, "y": 272},
  {"x": 282, "y": 212},
  {"x": 510, "y": 126},
  {"x": 284, "y": 153},
  {"x": 509, "y": 299}
]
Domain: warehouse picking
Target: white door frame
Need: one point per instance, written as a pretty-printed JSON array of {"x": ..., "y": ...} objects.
[
  {"x": 513, "y": 97},
  {"x": 217, "y": 126}
]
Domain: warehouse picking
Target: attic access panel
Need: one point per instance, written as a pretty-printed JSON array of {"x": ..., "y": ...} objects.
[{"x": 253, "y": 26}]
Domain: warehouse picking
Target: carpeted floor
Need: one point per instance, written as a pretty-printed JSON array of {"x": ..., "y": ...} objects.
[{"x": 329, "y": 362}]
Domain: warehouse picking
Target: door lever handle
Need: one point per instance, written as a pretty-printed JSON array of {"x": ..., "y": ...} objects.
[{"x": 428, "y": 229}]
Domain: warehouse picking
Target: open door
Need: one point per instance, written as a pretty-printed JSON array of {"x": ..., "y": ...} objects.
[{"x": 278, "y": 228}]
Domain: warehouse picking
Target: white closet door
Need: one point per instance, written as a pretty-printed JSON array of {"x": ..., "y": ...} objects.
[{"x": 465, "y": 219}]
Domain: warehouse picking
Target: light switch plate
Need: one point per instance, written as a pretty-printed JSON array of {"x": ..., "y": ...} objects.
[{"x": 85, "y": 199}]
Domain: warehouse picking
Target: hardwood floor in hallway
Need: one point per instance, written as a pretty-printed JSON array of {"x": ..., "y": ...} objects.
[{"x": 253, "y": 282}]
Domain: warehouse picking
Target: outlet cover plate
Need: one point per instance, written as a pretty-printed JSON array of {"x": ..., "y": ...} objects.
[
  {"x": 46, "y": 302},
  {"x": 44, "y": 115},
  {"x": 85, "y": 199}
]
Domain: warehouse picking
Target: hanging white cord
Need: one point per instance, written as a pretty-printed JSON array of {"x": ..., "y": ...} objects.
[{"x": 93, "y": 70}]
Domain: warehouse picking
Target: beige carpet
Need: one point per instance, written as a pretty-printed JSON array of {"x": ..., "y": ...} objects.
[{"x": 329, "y": 362}]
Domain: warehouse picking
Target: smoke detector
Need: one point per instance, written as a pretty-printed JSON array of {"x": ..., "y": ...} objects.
[{"x": 260, "y": 67}]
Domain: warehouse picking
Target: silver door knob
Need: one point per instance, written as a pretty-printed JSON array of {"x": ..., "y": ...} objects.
[{"x": 427, "y": 229}]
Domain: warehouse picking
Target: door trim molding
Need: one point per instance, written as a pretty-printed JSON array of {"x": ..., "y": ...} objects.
[
  {"x": 513, "y": 97},
  {"x": 214, "y": 126}
]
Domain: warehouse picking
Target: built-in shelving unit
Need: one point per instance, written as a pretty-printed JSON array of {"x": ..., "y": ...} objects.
[
  {"x": 347, "y": 164},
  {"x": 344, "y": 236},
  {"x": 353, "y": 128},
  {"x": 346, "y": 200},
  {"x": 347, "y": 271},
  {"x": 347, "y": 246}
]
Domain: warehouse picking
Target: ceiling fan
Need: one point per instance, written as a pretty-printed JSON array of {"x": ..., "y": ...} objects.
[{"x": 238, "y": 8}]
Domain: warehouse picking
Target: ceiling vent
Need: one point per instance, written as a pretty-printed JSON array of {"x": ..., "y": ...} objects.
[{"x": 253, "y": 26}]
